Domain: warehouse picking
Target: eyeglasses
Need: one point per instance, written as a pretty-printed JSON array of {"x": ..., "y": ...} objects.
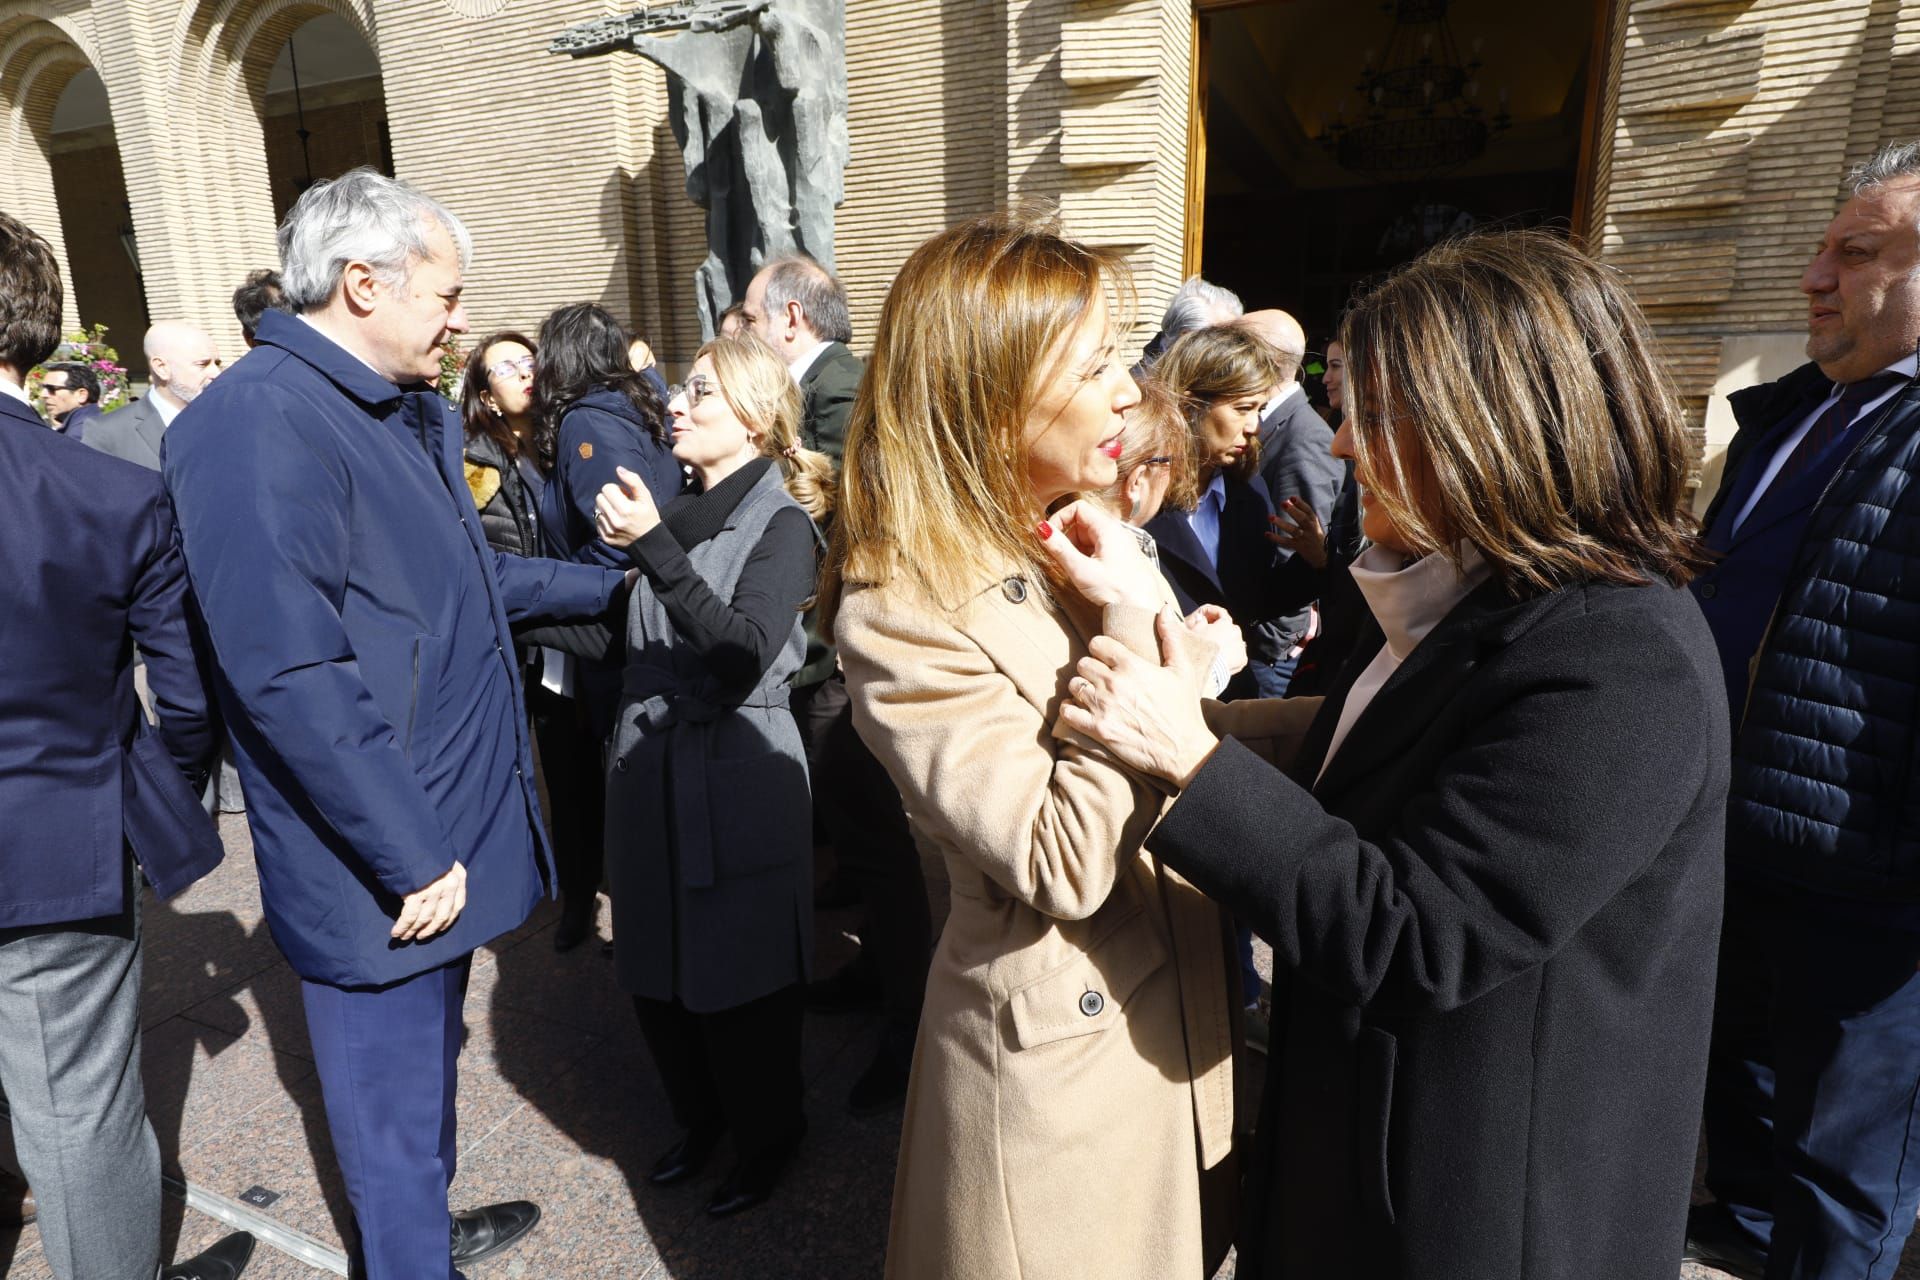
[
  {"x": 522, "y": 365},
  {"x": 695, "y": 389},
  {"x": 1164, "y": 460}
]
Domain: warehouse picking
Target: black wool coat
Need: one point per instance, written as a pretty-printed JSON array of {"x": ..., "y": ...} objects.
[{"x": 1494, "y": 923}]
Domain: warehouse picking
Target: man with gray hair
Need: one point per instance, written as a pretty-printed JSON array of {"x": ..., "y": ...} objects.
[
  {"x": 795, "y": 306},
  {"x": 1812, "y": 1114},
  {"x": 181, "y": 361},
  {"x": 367, "y": 676},
  {"x": 1196, "y": 304}
]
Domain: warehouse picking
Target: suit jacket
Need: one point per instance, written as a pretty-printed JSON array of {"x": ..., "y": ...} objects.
[
  {"x": 828, "y": 388},
  {"x": 1296, "y": 461},
  {"x": 89, "y": 571},
  {"x": 1739, "y": 590},
  {"x": 75, "y": 427},
  {"x": 132, "y": 432},
  {"x": 366, "y": 668},
  {"x": 1494, "y": 922},
  {"x": 1077, "y": 1030}
]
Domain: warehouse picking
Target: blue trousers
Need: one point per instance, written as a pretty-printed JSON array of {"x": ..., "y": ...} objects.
[
  {"x": 388, "y": 1060},
  {"x": 1812, "y": 1127}
]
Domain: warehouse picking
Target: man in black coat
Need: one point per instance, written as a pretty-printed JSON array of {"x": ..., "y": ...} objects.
[
  {"x": 71, "y": 392},
  {"x": 798, "y": 308},
  {"x": 1812, "y": 1116},
  {"x": 1296, "y": 461}
]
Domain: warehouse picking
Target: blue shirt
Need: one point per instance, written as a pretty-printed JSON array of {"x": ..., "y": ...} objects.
[{"x": 1205, "y": 517}]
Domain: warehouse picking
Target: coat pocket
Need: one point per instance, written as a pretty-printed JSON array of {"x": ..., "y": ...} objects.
[
  {"x": 759, "y": 814},
  {"x": 1090, "y": 992},
  {"x": 423, "y": 696},
  {"x": 1376, "y": 1055}
]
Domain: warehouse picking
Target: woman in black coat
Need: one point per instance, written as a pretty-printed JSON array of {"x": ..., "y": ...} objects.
[
  {"x": 1492, "y": 872},
  {"x": 595, "y": 415}
]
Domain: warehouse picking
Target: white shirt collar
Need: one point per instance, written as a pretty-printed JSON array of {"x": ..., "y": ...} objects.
[
  {"x": 1294, "y": 389},
  {"x": 14, "y": 389},
  {"x": 166, "y": 408},
  {"x": 1409, "y": 600},
  {"x": 799, "y": 367}
]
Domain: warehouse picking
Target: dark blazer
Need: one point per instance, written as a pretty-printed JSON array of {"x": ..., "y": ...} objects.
[
  {"x": 132, "y": 432},
  {"x": 91, "y": 571},
  {"x": 1738, "y": 592},
  {"x": 1296, "y": 461},
  {"x": 1249, "y": 582},
  {"x": 828, "y": 388},
  {"x": 75, "y": 427},
  {"x": 366, "y": 669},
  {"x": 599, "y": 433},
  {"x": 1494, "y": 924}
]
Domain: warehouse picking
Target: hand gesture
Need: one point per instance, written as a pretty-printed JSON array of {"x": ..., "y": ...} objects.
[
  {"x": 1100, "y": 557},
  {"x": 433, "y": 909},
  {"x": 1148, "y": 716},
  {"x": 1218, "y": 626},
  {"x": 624, "y": 513},
  {"x": 1297, "y": 527}
]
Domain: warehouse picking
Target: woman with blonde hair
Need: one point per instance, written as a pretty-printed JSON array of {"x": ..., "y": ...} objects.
[
  {"x": 1156, "y": 458},
  {"x": 1492, "y": 874},
  {"x": 712, "y": 905},
  {"x": 1071, "y": 1087}
]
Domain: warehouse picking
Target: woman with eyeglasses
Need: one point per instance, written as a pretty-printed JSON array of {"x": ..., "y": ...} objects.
[
  {"x": 503, "y": 470},
  {"x": 594, "y": 414},
  {"x": 710, "y": 850}
]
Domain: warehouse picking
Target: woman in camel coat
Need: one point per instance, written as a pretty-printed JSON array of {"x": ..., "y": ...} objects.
[{"x": 1071, "y": 1088}]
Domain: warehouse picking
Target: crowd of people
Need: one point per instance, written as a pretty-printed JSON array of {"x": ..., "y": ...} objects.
[{"x": 1567, "y": 817}]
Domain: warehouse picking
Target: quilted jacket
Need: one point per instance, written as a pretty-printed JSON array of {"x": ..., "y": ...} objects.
[{"x": 1825, "y": 762}]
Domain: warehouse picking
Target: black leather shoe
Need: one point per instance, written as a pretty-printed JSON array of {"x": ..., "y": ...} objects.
[
  {"x": 576, "y": 922},
  {"x": 882, "y": 1087},
  {"x": 225, "y": 1261},
  {"x": 754, "y": 1178},
  {"x": 1714, "y": 1241},
  {"x": 855, "y": 988},
  {"x": 685, "y": 1158},
  {"x": 483, "y": 1232}
]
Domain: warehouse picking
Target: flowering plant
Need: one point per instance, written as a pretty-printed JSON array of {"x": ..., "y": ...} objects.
[
  {"x": 88, "y": 347},
  {"x": 452, "y": 358}
]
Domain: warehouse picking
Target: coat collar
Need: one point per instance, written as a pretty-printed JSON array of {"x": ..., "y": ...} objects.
[
  {"x": 1487, "y": 620},
  {"x": 822, "y": 356},
  {"x": 331, "y": 360},
  {"x": 20, "y": 411}
]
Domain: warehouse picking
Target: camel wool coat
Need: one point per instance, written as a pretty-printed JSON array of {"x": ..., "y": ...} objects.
[{"x": 1072, "y": 1090}]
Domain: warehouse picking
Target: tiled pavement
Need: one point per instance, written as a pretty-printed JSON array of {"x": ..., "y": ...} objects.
[{"x": 557, "y": 1103}]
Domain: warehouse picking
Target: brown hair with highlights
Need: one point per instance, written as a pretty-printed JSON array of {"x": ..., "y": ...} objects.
[
  {"x": 1156, "y": 428},
  {"x": 1224, "y": 362},
  {"x": 934, "y": 482},
  {"x": 1504, "y": 391}
]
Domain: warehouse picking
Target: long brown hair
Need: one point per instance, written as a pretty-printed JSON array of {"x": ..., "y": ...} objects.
[
  {"x": 935, "y": 482},
  {"x": 475, "y": 383},
  {"x": 758, "y": 387},
  {"x": 1504, "y": 391}
]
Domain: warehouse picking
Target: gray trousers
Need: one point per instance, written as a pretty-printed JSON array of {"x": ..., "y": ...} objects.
[{"x": 70, "y": 1070}]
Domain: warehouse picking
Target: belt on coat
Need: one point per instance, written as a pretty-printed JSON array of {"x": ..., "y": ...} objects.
[{"x": 669, "y": 705}]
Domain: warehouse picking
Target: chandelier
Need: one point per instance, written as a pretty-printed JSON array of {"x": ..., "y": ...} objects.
[{"x": 1422, "y": 108}]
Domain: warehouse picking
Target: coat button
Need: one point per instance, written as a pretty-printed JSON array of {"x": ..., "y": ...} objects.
[
  {"x": 1708, "y": 591},
  {"x": 1015, "y": 589},
  {"x": 1092, "y": 1003}
]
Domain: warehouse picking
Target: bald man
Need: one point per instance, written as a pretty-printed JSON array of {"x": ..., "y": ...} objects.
[
  {"x": 1296, "y": 461},
  {"x": 181, "y": 361}
]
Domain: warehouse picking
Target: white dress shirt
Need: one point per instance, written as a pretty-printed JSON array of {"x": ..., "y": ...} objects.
[
  {"x": 1408, "y": 601},
  {"x": 1792, "y": 439},
  {"x": 799, "y": 367},
  {"x": 18, "y": 392},
  {"x": 1204, "y": 519}
]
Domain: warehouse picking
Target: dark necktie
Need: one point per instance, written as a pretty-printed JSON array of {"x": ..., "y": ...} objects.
[{"x": 1832, "y": 424}]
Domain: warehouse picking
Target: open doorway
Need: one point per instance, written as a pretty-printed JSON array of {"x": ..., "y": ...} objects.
[
  {"x": 324, "y": 111},
  {"x": 1342, "y": 137}
]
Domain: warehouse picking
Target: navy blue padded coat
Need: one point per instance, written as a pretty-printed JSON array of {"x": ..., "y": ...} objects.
[{"x": 1825, "y": 760}]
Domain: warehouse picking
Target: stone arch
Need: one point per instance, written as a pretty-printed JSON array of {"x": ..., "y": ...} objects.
[{"x": 41, "y": 51}]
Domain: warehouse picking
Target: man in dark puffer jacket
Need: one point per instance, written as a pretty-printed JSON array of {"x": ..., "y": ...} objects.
[{"x": 1812, "y": 1122}]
